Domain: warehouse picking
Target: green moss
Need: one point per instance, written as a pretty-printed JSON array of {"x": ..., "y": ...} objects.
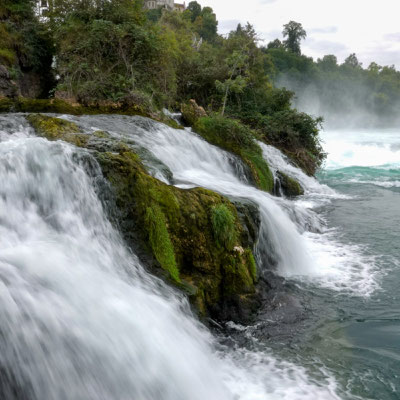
[
  {"x": 260, "y": 169},
  {"x": 101, "y": 134},
  {"x": 227, "y": 133},
  {"x": 56, "y": 106},
  {"x": 223, "y": 223},
  {"x": 6, "y": 105},
  {"x": 237, "y": 138},
  {"x": 172, "y": 123},
  {"x": 290, "y": 187},
  {"x": 252, "y": 264},
  {"x": 52, "y": 128},
  {"x": 160, "y": 241},
  {"x": 238, "y": 278}
]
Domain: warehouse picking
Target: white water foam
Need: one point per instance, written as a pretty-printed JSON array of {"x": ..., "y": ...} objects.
[
  {"x": 340, "y": 267},
  {"x": 362, "y": 149},
  {"x": 279, "y": 162}
]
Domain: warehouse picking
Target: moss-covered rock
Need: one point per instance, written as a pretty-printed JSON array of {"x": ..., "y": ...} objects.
[
  {"x": 195, "y": 237},
  {"x": 50, "y": 127},
  {"x": 57, "y": 129},
  {"x": 178, "y": 227},
  {"x": 191, "y": 112},
  {"x": 289, "y": 186},
  {"x": 60, "y": 106},
  {"x": 236, "y": 138},
  {"x": 23, "y": 104}
]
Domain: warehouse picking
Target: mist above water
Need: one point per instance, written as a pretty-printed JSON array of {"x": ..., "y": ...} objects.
[{"x": 342, "y": 103}]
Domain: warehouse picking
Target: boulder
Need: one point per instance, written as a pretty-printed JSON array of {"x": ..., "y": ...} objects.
[
  {"x": 289, "y": 186},
  {"x": 191, "y": 112}
]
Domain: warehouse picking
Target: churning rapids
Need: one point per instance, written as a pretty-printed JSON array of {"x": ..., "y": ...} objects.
[{"x": 82, "y": 319}]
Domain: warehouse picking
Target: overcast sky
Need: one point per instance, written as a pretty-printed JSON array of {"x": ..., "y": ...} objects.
[{"x": 369, "y": 28}]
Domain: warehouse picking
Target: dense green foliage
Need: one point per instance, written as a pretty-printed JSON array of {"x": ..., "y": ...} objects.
[
  {"x": 117, "y": 53},
  {"x": 25, "y": 43},
  {"x": 105, "y": 51}
]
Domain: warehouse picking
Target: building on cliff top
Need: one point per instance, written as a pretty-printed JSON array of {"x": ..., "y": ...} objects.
[{"x": 167, "y": 4}]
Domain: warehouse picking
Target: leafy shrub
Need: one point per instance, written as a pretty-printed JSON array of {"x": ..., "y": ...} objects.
[
  {"x": 227, "y": 133},
  {"x": 295, "y": 132}
]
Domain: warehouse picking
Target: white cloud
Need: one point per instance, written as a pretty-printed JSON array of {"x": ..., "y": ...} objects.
[
  {"x": 323, "y": 30},
  {"x": 368, "y": 28}
]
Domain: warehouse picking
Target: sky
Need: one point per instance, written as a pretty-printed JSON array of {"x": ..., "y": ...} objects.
[{"x": 369, "y": 28}]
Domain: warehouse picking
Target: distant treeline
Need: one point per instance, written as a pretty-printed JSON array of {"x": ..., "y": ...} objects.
[{"x": 344, "y": 94}]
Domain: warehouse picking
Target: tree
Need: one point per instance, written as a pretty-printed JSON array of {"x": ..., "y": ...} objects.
[
  {"x": 275, "y": 44},
  {"x": 245, "y": 66},
  {"x": 374, "y": 68},
  {"x": 328, "y": 62},
  {"x": 294, "y": 33},
  {"x": 206, "y": 24},
  {"x": 352, "y": 61},
  {"x": 195, "y": 8},
  {"x": 155, "y": 14},
  {"x": 236, "y": 84}
]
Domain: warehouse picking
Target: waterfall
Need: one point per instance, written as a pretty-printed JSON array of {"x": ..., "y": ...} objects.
[
  {"x": 294, "y": 240},
  {"x": 194, "y": 162},
  {"x": 81, "y": 319}
]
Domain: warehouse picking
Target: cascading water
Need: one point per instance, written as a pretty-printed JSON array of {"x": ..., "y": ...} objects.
[
  {"x": 291, "y": 238},
  {"x": 81, "y": 319}
]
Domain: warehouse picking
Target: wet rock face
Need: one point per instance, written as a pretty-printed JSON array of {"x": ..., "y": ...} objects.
[
  {"x": 196, "y": 239},
  {"x": 289, "y": 186},
  {"x": 7, "y": 86},
  {"x": 28, "y": 85}
]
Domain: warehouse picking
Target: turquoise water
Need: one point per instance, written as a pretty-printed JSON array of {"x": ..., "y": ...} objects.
[{"x": 357, "y": 335}]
